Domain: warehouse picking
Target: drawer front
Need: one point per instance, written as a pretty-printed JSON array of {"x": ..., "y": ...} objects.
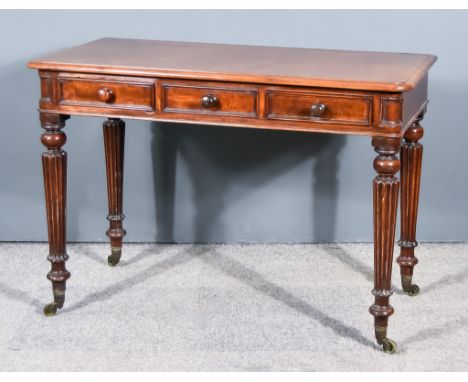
[
  {"x": 107, "y": 92},
  {"x": 319, "y": 107},
  {"x": 211, "y": 100}
]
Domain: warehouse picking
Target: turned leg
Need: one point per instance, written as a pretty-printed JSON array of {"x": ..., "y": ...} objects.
[
  {"x": 411, "y": 158},
  {"x": 54, "y": 165},
  {"x": 114, "y": 139},
  {"x": 385, "y": 185}
]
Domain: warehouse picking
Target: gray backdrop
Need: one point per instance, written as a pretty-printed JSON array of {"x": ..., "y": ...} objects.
[{"x": 213, "y": 184}]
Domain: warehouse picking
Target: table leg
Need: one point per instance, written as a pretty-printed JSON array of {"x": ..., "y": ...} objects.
[
  {"x": 114, "y": 140},
  {"x": 385, "y": 185},
  {"x": 54, "y": 165},
  {"x": 411, "y": 158}
]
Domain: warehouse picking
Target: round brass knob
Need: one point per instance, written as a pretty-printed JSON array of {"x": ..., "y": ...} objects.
[
  {"x": 209, "y": 101},
  {"x": 105, "y": 95},
  {"x": 317, "y": 109}
]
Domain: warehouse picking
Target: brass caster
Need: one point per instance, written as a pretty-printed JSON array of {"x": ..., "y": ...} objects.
[
  {"x": 51, "y": 309},
  {"x": 411, "y": 290},
  {"x": 113, "y": 260},
  {"x": 389, "y": 346}
]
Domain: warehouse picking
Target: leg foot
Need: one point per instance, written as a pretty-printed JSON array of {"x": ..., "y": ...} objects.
[
  {"x": 389, "y": 346},
  {"x": 409, "y": 288},
  {"x": 59, "y": 299},
  {"x": 114, "y": 258}
]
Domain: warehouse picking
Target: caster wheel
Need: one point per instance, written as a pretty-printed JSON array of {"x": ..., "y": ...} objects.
[
  {"x": 411, "y": 290},
  {"x": 113, "y": 260},
  {"x": 389, "y": 346},
  {"x": 51, "y": 309}
]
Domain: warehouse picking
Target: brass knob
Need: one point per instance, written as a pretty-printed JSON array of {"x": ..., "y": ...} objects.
[
  {"x": 105, "y": 95},
  {"x": 317, "y": 109},
  {"x": 209, "y": 101}
]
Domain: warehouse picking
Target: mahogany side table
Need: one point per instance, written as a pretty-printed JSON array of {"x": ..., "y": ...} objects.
[{"x": 381, "y": 95}]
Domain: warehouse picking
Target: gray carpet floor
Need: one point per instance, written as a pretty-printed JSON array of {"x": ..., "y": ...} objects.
[{"x": 229, "y": 308}]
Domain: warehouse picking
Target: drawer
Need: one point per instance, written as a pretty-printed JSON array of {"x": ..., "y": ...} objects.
[
  {"x": 341, "y": 108},
  {"x": 209, "y": 99},
  {"x": 107, "y": 92}
]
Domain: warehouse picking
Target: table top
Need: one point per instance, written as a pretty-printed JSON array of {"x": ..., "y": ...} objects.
[{"x": 377, "y": 71}]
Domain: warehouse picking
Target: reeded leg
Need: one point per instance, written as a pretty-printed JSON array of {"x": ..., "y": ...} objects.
[
  {"x": 54, "y": 164},
  {"x": 411, "y": 158},
  {"x": 385, "y": 185},
  {"x": 114, "y": 139}
]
